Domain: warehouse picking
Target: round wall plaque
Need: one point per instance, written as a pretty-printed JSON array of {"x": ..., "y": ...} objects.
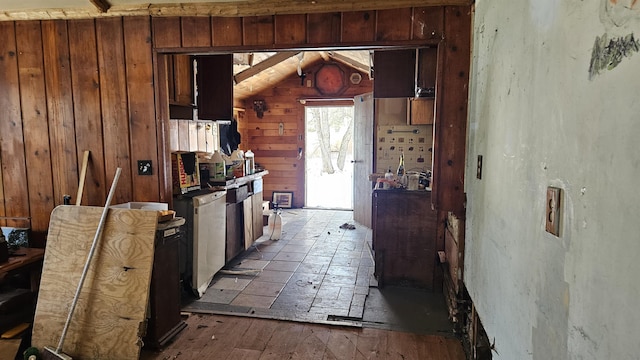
[{"x": 330, "y": 80}]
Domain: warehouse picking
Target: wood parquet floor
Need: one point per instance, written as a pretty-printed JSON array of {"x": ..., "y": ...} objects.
[{"x": 220, "y": 337}]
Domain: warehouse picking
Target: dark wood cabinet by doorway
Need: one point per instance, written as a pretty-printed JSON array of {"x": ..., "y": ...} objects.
[
  {"x": 214, "y": 82},
  {"x": 404, "y": 238},
  {"x": 394, "y": 73}
]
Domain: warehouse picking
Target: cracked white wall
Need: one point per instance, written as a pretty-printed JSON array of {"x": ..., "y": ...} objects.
[{"x": 538, "y": 120}]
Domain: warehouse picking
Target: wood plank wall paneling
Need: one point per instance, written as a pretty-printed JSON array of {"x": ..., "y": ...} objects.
[
  {"x": 278, "y": 153},
  {"x": 167, "y": 32},
  {"x": 98, "y": 79},
  {"x": 358, "y": 26},
  {"x": 66, "y": 87},
  {"x": 113, "y": 93},
  {"x": 428, "y": 23},
  {"x": 35, "y": 121},
  {"x": 142, "y": 114},
  {"x": 86, "y": 107},
  {"x": 62, "y": 135},
  {"x": 162, "y": 65},
  {"x": 258, "y": 30},
  {"x": 196, "y": 31},
  {"x": 324, "y": 28},
  {"x": 16, "y": 194},
  {"x": 290, "y": 29},
  {"x": 448, "y": 182},
  {"x": 393, "y": 24},
  {"x": 227, "y": 31}
]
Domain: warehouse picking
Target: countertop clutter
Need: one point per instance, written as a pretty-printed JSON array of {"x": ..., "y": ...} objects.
[
  {"x": 412, "y": 181},
  {"x": 240, "y": 181}
]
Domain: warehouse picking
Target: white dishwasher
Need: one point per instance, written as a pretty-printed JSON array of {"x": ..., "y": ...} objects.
[{"x": 204, "y": 250}]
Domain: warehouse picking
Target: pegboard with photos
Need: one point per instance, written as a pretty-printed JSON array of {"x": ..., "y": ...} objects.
[{"x": 415, "y": 141}]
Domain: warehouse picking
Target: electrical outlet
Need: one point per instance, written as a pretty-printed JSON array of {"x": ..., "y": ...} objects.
[
  {"x": 552, "y": 211},
  {"x": 144, "y": 167},
  {"x": 479, "y": 170}
]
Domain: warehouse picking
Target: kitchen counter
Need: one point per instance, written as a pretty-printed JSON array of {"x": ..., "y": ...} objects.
[
  {"x": 404, "y": 238},
  {"x": 243, "y": 212},
  {"x": 237, "y": 182},
  {"x": 403, "y": 190}
]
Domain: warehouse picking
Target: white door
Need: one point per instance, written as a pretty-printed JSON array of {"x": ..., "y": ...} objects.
[{"x": 363, "y": 158}]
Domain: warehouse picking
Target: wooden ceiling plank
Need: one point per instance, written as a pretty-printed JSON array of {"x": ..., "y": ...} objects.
[
  {"x": 324, "y": 55},
  {"x": 263, "y": 65},
  {"x": 349, "y": 61}
]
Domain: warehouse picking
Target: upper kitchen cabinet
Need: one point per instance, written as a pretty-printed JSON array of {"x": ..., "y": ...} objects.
[
  {"x": 181, "y": 93},
  {"x": 420, "y": 111},
  {"x": 214, "y": 83},
  {"x": 405, "y": 73},
  {"x": 394, "y": 73}
]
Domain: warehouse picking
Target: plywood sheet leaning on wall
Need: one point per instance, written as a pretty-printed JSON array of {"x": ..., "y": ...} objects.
[{"x": 113, "y": 300}]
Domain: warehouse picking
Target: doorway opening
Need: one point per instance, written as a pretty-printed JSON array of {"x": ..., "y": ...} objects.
[{"x": 329, "y": 157}]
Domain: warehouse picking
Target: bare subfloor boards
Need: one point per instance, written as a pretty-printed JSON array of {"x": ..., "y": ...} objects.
[{"x": 231, "y": 337}]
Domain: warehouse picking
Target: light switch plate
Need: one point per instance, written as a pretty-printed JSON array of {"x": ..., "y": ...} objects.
[
  {"x": 552, "y": 211},
  {"x": 144, "y": 167}
]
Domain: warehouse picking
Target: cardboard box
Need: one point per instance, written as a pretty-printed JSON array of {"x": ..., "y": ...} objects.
[{"x": 185, "y": 170}]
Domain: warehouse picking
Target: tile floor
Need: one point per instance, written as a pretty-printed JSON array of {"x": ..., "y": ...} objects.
[{"x": 315, "y": 272}]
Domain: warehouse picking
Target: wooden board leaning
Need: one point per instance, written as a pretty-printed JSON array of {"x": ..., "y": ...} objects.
[{"x": 112, "y": 304}]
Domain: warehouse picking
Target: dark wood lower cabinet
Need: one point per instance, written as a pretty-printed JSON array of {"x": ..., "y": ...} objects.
[
  {"x": 404, "y": 238},
  {"x": 234, "y": 231},
  {"x": 164, "y": 321}
]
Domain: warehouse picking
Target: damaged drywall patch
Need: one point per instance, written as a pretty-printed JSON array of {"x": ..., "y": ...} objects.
[
  {"x": 617, "y": 16},
  {"x": 609, "y": 53}
]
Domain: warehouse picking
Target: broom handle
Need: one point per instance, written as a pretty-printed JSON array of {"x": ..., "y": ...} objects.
[{"x": 103, "y": 219}]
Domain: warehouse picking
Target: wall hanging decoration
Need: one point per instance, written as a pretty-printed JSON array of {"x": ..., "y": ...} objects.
[
  {"x": 259, "y": 106},
  {"x": 284, "y": 199}
]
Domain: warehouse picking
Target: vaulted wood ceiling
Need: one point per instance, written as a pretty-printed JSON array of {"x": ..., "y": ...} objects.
[{"x": 255, "y": 72}]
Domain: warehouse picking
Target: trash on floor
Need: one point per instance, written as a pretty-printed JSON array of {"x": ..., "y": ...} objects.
[{"x": 347, "y": 226}]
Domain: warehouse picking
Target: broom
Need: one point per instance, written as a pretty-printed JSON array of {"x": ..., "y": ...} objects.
[{"x": 49, "y": 353}]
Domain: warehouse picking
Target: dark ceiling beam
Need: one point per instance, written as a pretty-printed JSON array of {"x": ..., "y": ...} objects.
[
  {"x": 102, "y": 5},
  {"x": 227, "y": 8},
  {"x": 263, "y": 65}
]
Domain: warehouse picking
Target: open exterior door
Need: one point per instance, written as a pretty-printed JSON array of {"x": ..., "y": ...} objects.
[{"x": 363, "y": 158}]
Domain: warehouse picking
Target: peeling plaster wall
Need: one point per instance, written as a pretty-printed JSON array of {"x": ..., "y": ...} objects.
[{"x": 539, "y": 120}]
